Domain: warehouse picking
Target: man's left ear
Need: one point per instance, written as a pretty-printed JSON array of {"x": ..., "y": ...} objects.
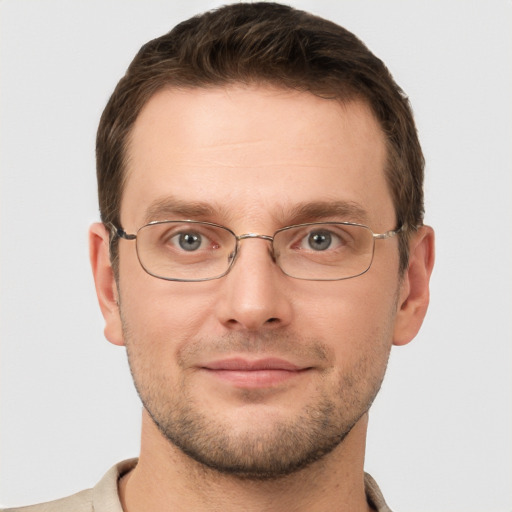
[{"x": 414, "y": 290}]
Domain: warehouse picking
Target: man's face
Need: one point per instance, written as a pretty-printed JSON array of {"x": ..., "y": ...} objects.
[{"x": 256, "y": 373}]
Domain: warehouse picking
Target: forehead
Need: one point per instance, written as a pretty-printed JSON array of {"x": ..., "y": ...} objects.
[{"x": 251, "y": 151}]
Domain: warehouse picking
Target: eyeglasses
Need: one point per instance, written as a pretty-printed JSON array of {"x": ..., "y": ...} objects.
[{"x": 189, "y": 250}]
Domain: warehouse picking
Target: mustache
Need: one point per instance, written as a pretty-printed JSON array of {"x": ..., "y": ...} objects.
[{"x": 285, "y": 345}]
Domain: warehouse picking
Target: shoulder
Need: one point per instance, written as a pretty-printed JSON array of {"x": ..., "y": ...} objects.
[
  {"x": 102, "y": 497},
  {"x": 80, "y": 502},
  {"x": 374, "y": 495}
]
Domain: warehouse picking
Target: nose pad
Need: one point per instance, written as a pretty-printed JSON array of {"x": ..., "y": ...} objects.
[
  {"x": 232, "y": 256},
  {"x": 272, "y": 253}
]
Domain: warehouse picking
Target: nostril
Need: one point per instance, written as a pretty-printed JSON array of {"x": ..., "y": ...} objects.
[{"x": 272, "y": 320}]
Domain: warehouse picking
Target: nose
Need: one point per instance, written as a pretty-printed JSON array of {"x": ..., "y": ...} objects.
[{"x": 255, "y": 293}]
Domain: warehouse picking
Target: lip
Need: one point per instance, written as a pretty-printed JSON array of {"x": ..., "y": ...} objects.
[
  {"x": 241, "y": 364},
  {"x": 259, "y": 373}
]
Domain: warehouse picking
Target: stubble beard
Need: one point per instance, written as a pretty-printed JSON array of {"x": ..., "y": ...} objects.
[{"x": 280, "y": 447}]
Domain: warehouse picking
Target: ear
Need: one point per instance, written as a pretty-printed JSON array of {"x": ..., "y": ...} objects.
[
  {"x": 414, "y": 290},
  {"x": 106, "y": 288}
]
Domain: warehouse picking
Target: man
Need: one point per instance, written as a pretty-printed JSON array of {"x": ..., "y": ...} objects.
[{"x": 260, "y": 251}]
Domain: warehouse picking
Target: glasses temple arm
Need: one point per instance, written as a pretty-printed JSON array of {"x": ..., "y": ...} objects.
[{"x": 119, "y": 232}]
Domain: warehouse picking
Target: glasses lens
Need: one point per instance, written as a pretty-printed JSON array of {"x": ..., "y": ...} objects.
[
  {"x": 321, "y": 252},
  {"x": 188, "y": 251}
]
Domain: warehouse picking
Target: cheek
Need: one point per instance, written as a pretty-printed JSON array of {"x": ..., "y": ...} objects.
[
  {"x": 149, "y": 300},
  {"x": 355, "y": 317},
  {"x": 163, "y": 315}
]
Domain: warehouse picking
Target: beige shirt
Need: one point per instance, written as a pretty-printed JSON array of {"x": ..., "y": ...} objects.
[{"x": 104, "y": 497}]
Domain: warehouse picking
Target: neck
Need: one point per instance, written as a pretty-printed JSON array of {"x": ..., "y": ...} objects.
[{"x": 166, "y": 479}]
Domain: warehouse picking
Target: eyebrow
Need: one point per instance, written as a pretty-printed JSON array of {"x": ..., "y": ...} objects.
[
  {"x": 324, "y": 210},
  {"x": 171, "y": 208}
]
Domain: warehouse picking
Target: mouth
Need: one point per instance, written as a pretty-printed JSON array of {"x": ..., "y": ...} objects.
[{"x": 260, "y": 373}]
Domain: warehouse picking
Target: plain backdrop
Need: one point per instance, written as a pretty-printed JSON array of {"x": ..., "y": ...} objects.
[{"x": 440, "y": 431}]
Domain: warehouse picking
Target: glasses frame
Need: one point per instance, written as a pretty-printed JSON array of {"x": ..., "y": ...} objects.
[{"x": 121, "y": 233}]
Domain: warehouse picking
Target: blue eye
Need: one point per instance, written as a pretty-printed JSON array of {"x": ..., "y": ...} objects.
[
  {"x": 319, "y": 240},
  {"x": 190, "y": 241}
]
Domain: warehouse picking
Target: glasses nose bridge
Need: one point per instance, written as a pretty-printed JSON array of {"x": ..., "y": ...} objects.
[{"x": 255, "y": 235}]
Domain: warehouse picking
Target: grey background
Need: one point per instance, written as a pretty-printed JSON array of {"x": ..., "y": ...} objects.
[{"x": 440, "y": 432}]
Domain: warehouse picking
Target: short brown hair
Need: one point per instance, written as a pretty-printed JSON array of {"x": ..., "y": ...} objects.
[{"x": 272, "y": 44}]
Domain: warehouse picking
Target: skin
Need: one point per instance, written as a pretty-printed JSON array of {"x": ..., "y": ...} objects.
[{"x": 252, "y": 154}]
